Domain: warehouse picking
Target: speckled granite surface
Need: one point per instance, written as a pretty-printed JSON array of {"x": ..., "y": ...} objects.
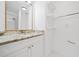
[{"x": 13, "y": 36}]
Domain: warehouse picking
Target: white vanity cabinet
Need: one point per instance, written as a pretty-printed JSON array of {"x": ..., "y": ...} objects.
[
  {"x": 37, "y": 49},
  {"x": 12, "y": 48},
  {"x": 32, "y": 47},
  {"x": 20, "y": 53},
  {"x": 66, "y": 40}
]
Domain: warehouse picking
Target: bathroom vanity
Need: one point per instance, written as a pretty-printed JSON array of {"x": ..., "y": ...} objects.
[
  {"x": 30, "y": 44},
  {"x": 38, "y": 29},
  {"x": 19, "y": 39}
]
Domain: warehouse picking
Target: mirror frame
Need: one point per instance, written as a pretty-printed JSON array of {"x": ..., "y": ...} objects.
[
  {"x": 16, "y": 29},
  {"x": 4, "y": 18}
]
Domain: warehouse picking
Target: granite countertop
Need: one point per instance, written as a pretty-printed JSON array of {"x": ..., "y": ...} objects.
[{"x": 14, "y": 36}]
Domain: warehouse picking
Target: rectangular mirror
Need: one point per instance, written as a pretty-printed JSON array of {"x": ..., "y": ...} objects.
[
  {"x": 2, "y": 17},
  {"x": 19, "y": 15}
]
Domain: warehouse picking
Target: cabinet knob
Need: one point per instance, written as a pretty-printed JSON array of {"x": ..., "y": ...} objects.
[
  {"x": 32, "y": 45},
  {"x": 71, "y": 42}
]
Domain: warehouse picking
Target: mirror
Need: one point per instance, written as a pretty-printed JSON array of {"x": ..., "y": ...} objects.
[
  {"x": 19, "y": 15},
  {"x": 2, "y": 17}
]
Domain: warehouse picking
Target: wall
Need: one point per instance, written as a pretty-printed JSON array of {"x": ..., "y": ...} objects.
[
  {"x": 2, "y": 16},
  {"x": 39, "y": 12}
]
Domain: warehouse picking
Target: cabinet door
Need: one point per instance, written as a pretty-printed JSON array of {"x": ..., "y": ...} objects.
[
  {"x": 68, "y": 7},
  {"x": 23, "y": 51},
  {"x": 2, "y": 16},
  {"x": 13, "y": 47},
  {"x": 20, "y": 53},
  {"x": 67, "y": 36},
  {"x": 70, "y": 49},
  {"x": 37, "y": 48}
]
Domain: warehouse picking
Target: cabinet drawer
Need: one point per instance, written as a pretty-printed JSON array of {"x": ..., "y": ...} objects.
[
  {"x": 67, "y": 48},
  {"x": 10, "y": 48},
  {"x": 20, "y": 53},
  {"x": 71, "y": 49}
]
